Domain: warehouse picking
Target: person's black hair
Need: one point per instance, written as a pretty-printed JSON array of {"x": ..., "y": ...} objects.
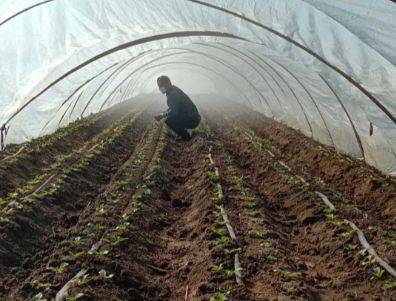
[{"x": 163, "y": 79}]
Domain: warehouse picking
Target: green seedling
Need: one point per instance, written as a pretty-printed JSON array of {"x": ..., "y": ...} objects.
[
  {"x": 96, "y": 227},
  {"x": 347, "y": 234},
  {"x": 329, "y": 214},
  {"x": 123, "y": 226},
  {"x": 378, "y": 273},
  {"x": 115, "y": 240},
  {"x": 253, "y": 213},
  {"x": 123, "y": 182},
  {"x": 219, "y": 297},
  {"x": 74, "y": 297},
  {"x": 320, "y": 182},
  {"x": 60, "y": 269},
  {"x": 125, "y": 217},
  {"x": 251, "y": 205},
  {"x": 76, "y": 242},
  {"x": 257, "y": 234},
  {"x": 78, "y": 254},
  {"x": 288, "y": 275},
  {"x": 266, "y": 245},
  {"x": 99, "y": 253},
  {"x": 232, "y": 251},
  {"x": 40, "y": 285},
  {"x": 270, "y": 258},
  {"x": 39, "y": 297},
  {"x": 219, "y": 231},
  {"x": 101, "y": 209},
  {"x": 104, "y": 275},
  {"x": 82, "y": 280},
  {"x": 216, "y": 197},
  {"x": 217, "y": 211},
  {"x": 213, "y": 177},
  {"x": 230, "y": 273},
  {"x": 259, "y": 221},
  {"x": 290, "y": 291},
  {"x": 223, "y": 240},
  {"x": 381, "y": 231},
  {"x": 4, "y": 220},
  {"x": 369, "y": 261},
  {"x": 238, "y": 181},
  {"x": 390, "y": 284},
  {"x": 305, "y": 187},
  {"x": 352, "y": 246},
  {"x": 2, "y": 202},
  {"x": 147, "y": 192},
  {"x": 338, "y": 223},
  {"x": 12, "y": 196},
  {"x": 217, "y": 267},
  {"x": 221, "y": 223}
]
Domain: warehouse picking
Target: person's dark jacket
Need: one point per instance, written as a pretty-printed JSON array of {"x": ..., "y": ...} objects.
[{"x": 180, "y": 105}]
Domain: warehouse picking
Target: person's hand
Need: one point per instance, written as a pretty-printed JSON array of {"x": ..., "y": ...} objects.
[{"x": 159, "y": 117}]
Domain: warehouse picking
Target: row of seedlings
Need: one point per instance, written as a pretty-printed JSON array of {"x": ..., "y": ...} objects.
[
  {"x": 40, "y": 144},
  {"x": 55, "y": 175},
  {"x": 231, "y": 266},
  {"x": 104, "y": 234},
  {"x": 259, "y": 228},
  {"x": 369, "y": 256}
]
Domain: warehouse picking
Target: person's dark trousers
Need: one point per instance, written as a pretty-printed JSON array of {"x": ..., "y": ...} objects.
[{"x": 181, "y": 124}]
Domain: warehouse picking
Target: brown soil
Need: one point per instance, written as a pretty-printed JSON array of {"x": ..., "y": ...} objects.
[{"x": 141, "y": 219}]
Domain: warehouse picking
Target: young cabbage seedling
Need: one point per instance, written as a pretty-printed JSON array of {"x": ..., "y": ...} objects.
[
  {"x": 288, "y": 275},
  {"x": 352, "y": 246},
  {"x": 378, "y": 273},
  {"x": 76, "y": 241},
  {"x": 213, "y": 177},
  {"x": 252, "y": 213},
  {"x": 221, "y": 296},
  {"x": 101, "y": 209},
  {"x": 223, "y": 240},
  {"x": 60, "y": 269},
  {"x": 270, "y": 258},
  {"x": 4, "y": 220},
  {"x": 266, "y": 245},
  {"x": 217, "y": 267},
  {"x": 390, "y": 284},
  {"x": 347, "y": 234},
  {"x": 82, "y": 280},
  {"x": 257, "y": 234},
  {"x": 369, "y": 261}
]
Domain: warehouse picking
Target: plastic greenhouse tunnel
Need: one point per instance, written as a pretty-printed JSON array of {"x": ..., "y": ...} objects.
[{"x": 197, "y": 150}]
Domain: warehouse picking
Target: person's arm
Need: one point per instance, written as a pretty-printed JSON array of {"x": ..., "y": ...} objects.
[
  {"x": 162, "y": 116},
  {"x": 174, "y": 105}
]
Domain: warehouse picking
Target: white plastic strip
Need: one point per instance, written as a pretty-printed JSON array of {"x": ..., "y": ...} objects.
[
  {"x": 64, "y": 291},
  {"x": 325, "y": 200},
  {"x": 370, "y": 249}
]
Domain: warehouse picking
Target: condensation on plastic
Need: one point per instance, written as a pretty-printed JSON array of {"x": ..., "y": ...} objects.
[{"x": 264, "y": 72}]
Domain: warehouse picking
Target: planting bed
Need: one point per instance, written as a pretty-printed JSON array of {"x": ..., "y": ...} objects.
[{"x": 119, "y": 210}]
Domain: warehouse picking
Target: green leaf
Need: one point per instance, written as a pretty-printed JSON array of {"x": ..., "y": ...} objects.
[
  {"x": 266, "y": 245},
  {"x": 60, "y": 269},
  {"x": 270, "y": 258}
]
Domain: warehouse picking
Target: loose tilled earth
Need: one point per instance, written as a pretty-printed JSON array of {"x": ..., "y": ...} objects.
[{"x": 112, "y": 207}]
